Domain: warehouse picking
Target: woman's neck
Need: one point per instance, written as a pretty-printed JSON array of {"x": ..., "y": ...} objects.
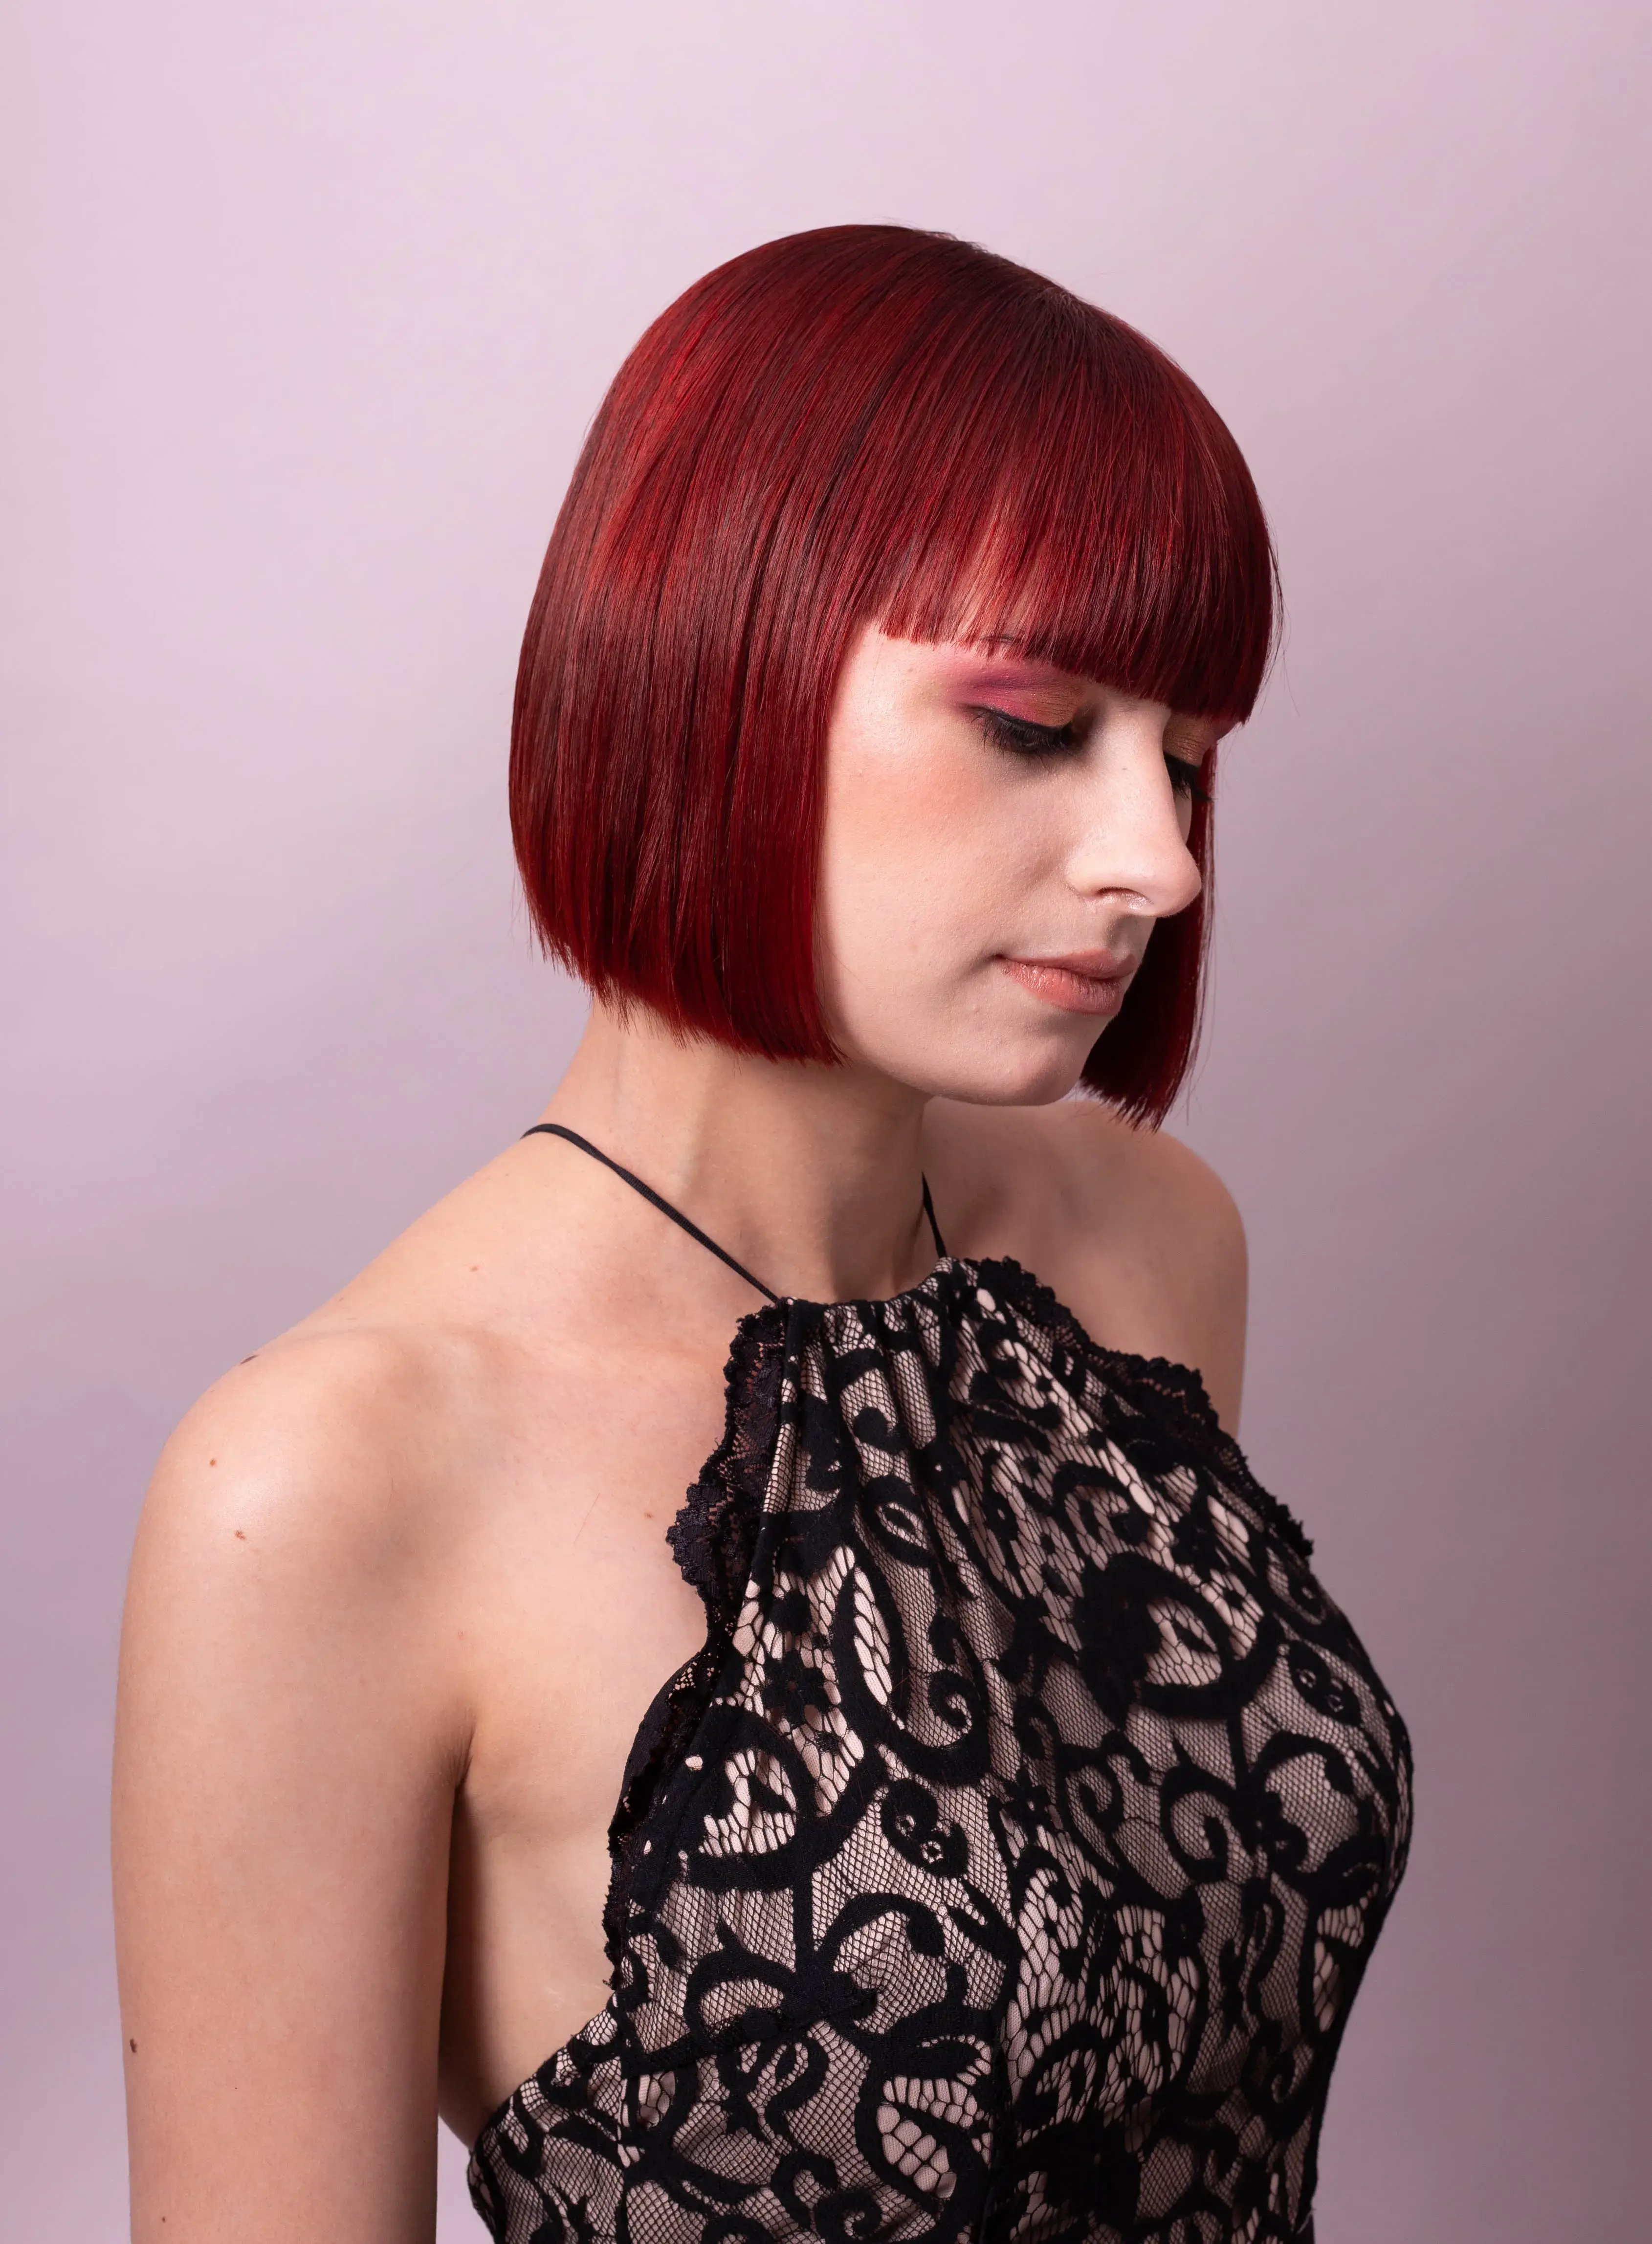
[{"x": 810, "y": 1175}]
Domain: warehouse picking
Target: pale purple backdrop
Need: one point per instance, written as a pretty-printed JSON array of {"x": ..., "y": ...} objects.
[{"x": 306, "y": 309}]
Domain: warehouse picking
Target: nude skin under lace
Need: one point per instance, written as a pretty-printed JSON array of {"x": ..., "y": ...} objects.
[{"x": 1005, "y": 1863}]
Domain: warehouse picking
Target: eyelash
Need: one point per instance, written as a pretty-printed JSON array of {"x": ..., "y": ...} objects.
[{"x": 1020, "y": 737}]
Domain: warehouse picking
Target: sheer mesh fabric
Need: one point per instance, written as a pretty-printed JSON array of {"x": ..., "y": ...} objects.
[{"x": 1005, "y": 1864}]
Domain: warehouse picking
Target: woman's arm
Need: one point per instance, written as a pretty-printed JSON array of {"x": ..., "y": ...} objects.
[{"x": 289, "y": 1737}]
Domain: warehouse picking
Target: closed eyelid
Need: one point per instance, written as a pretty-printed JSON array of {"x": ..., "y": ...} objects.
[
  {"x": 1047, "y": 713},
  {"x": 1011, "y": 720},
  {"x": 1033, "y": 735}
]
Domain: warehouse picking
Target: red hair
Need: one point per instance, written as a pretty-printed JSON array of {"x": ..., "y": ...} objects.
[{"x": 859, "y": 423}]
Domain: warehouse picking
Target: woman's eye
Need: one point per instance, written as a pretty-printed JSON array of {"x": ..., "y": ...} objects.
[
  {"x": 1021, "y": 737},
  {"x": 1184, "y": 778}
]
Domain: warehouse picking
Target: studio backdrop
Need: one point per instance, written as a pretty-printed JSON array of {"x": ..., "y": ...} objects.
[{"x": 306, "y": 310}]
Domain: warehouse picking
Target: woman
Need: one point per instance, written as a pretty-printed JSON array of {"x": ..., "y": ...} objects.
[{"x": 1004, "y": 1816}]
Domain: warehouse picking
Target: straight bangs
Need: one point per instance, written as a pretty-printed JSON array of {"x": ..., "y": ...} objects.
[{"x": 1089, "y": 508}]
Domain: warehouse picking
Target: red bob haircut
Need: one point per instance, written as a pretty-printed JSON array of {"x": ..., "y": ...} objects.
[{"x": 862, "y": 423}]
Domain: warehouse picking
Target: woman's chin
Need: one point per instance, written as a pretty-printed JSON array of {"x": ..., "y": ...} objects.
[
  {"x": 1041, "y": 1086},
  {"x": 1011, "y": 1075}
]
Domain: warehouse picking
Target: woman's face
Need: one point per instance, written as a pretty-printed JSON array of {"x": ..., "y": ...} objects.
[{"x": 1000, "y": 838}]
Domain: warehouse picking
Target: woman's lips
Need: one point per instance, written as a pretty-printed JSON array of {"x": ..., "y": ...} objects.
[{"x": 1089, "y": 982}]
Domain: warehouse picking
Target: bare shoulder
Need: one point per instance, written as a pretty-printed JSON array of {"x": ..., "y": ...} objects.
[
  {"x": 1148, "y": 1184},
  {"x": 321, "y": 1443},
  {"x": 1129, "y": 1227},
  {"x": 354, "y": 1444},
  {"x": 300, "y": 1528}
]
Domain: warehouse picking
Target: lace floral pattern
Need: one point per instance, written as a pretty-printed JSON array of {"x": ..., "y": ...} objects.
[{"x": 1005, "y": 1864}]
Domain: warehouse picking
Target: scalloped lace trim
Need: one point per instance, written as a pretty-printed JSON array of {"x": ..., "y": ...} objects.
[
  {"x": 712, "y": 1537},
  {"x": 1177, "y": 1383}
]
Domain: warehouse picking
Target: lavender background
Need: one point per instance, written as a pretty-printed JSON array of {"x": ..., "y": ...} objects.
[{"x": 306, "y": 309}]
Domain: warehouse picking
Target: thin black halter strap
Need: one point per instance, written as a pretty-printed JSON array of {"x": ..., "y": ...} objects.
[
  {"x": 935, "y": 1228},
  {"x": 557, "y": 1129}
]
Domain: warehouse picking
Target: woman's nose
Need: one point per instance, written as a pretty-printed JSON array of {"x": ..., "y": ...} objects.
[{"x": 1134, "y": 843}]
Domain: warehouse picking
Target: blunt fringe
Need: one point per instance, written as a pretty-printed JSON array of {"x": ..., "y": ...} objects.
[{"x": 859, "y": 423}]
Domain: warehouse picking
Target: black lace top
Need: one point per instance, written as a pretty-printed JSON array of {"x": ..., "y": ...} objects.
[{"x": 1005, "y": 1865}]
